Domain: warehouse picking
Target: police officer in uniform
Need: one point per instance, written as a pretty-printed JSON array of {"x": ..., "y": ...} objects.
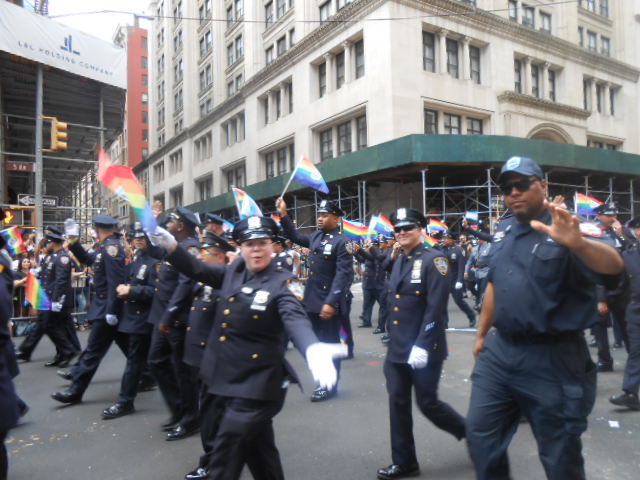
[
  {"x": 631, "y": 383},
  {"x": 373, "y": 280},
  {"x": 137, "y": 293},
  {"x": 540, "y": 298},
  {"x": 9, "y": 402},
  {"x": 243, "y": 366},
  {"x": 282, "y": 258},
  {"x": 169, "y": 313},
  {"x": 214, "y": 223},
  {"x": 330, "y": 276},
  {"x": 457, "y": 262},
  {"x": 108, "y": 263},
  {"x": 417, "y": 300}
]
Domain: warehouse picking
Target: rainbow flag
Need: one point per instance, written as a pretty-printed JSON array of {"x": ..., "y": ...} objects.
[
  {"x": 247, "y": 206},
  {"x": 35, "y": 294},
  {"x": 307, "y": 174},
  {"x": 380, "y": 224},
  {"x": 436, "y": 225},
  {"x": 14, "y": 242},
  {"x": 355, "y": 229},
  {"x": 227, "y": 226},
  {"x": 122, "y": 181},
  {"x": 586, "y": 204},
  {"x": 344, "y": 336},
  {"x": 429, "y": 240},
  {"x": 473, "y": 216},
  {"x": 276, "y": 218}
]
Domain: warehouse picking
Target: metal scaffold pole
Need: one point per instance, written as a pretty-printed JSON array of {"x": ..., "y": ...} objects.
[
  {"x": 38, "y": 148},
  {"x": 424, "y": 191}
]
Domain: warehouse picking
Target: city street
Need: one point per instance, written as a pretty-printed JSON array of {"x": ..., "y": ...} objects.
[{"x": 345, "y": 438}]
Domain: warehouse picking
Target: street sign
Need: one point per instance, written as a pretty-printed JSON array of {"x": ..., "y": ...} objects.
[
  {"x": 20, "y": 166},
  {"x": 29, "y": 200}
]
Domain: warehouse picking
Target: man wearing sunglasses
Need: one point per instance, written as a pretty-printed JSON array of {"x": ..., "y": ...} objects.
[
  {"x": 417, "y": 305},
  {"x": 540, "y": 298}
]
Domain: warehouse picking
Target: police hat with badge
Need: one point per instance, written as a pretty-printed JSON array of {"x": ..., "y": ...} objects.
[
  {"x": 329, "y": 206},
  {"x": 105, "y": 222},
  {"x": 185, "y": 216},
  {"x": 211, "y": 240},
  {"x": 282, "y": 240},
  {"x": 53, "y": 234},
  {"x": 253, "y": 228},
  {"x": 407, "y": 217},
  {"x": 213, "y": 218},
  {"x": 609, "y": 208},
  {"x": 524, "y": 166}
]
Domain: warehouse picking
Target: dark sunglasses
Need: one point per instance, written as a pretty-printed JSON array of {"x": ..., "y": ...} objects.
[
  {"x": 522, "y": 185},
  {"x": 405, "y": 228}
]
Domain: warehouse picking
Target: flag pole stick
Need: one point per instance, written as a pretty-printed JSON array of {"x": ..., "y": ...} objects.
[{"x": 291, "y": 176}]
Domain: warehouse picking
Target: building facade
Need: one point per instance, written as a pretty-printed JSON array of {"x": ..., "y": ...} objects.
[{"x": 237, "y": 102}]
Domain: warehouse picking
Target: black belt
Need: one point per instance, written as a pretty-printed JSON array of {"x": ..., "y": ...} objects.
[{"x": 541, "y": 338}]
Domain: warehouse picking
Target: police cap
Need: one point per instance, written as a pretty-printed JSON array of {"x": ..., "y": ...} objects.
[
  {"x": 252, "y": 228},
  {"x": 282, "y": 240},
  {"x": 54, "y": 234},
  {"x": 403, "y": 217},
  {"x": 213, "y": 218},
  {"x": 137, "y": 231},
  {"x": 606, "y": 209},
  {"x": 447, "y": 234},
  {"x": 185, "y": 216},
  {"x": 520, "y": 165},
  {"x": 211, "y": 240},
  {"x": 105, "y": 221},
  {"x": 329, "y": 206}
]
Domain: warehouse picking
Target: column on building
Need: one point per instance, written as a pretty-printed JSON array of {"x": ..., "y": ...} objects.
[
  {"x": 519, "y": 12},
  {"x": 544, "y": 81},
  {"x": 466, "y": 60},
  {"x": 328, "y": 58},
  {"x": 240, "y": 126},
  {"x": 348, "y": 65},
  {"x": 593, "y": 100},
  {"x": 526, "y": 81},
  {"x": 284, "y": 102},
  {"x": 354, "y": 134},
  {"x": 440, "y": 122},
  {"x": 442, "y": 44},
  {"x": 271, "y": 106},
  {"x": 606, "y": 92}
]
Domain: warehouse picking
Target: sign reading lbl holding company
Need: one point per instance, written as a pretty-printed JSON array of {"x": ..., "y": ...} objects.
[{"x": 46, "y": 41}]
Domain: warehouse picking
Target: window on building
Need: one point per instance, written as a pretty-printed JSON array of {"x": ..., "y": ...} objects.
[
  {"x": 161, "y": 64},
  {"x": 344, "y": 138},
  {"x": 161, "y": 91},
  {"x": 430, "y": 121},
  {"x": 239, "y": 6},
  {"x": 205, "y": 188},
  {"x": 451, "y": 124},
  {"x": 359, "y": 52},
  {"x": 292, "y": 37},
  {"x": 281, "y": 45},
  {"x": 208, "y": 38},
  {"x": 145, "y": 117},
  {"x": 281, "y": 155},
  {"x": 145, "y": 80},
  {"x": 161, "y": 117},
  {"x": 230, "y": 90},
  {"x": 160, "y": 37},
  {"x": 230, "y": 58},
  {"x": 590, "y": 5},
  {"x": 599, "y": 97},
  {"x": 545, "y": 22},
  {"x": 605, "y": 46},
  {"x": 236, "y": 177},
  {"x": 552, "y": 85},
  {"x": 145, "y": 135},
  {"x": 361, "y": 131},
  {"x": 585, "y": 95},
  {"x": 177, "y": 101},
  {"x": 340, "y": 70},
  {"x": 474, "y": 63},
  {"x": 230, "y": 16},
  {"x": 289, "y": 89},
  {"x": 604, "y": 8},
  {"x": 145, "y": 98},
  {"x": 175, "y": 197},
  {"x": 592, "y": 39},
  {"x": 612, "y": 101},
  {"x": 175, "y": 162},
  {"x": 177, "y": 71},
  {"x": 239, "y": 81},
  {"x": 268, "y": 14},
  {"x": 581, "y": 36},
  {"x": 144, "y": 61},
  {"x": 343, "y": 3},
  {"x": 239, "y": 47},
  {"x": 322, "y": 79},
  {"x": 429, "y": 51},
  {"x": 529, "y": 18},
  {"x": 203, "y": 83},
  {"x": 513, "y": 10},
  {"x": 326, "y": 144},
  {"x": 535, "y": 80},
  {"x": 325, "y": 11},
  {"x": 268, "y": 54},
  {"x": 209, "y": 75},
  {"x": 277, "y": 98},
  {"x": 517, "y": 71},
  {"x": 201, "y": 15},
  {"x": 452, "y": 58},
  {"x": 281, "y": 6},
  {"x": 158, "y": 172},
  {"x": 474, "y": 126},
  {"x": 265, "y": 109},
  {"x": 269, "y": 164}
]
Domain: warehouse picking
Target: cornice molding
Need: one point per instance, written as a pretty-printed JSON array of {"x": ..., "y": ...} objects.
[{"x": 539, "y": 103}]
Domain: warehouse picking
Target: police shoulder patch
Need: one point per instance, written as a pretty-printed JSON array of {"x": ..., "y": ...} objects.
[
  {"x": 295, "y": 286},
  {"x": 64, "y": 260},
  {"x": 193, "y": 251},
  {"x": 442, "y": 265},
  {"x": 112, "y": 250},
  {"x": 348, "y": 246}
]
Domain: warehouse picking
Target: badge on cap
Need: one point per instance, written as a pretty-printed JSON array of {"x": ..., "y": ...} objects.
[
  {"x": 247, "y": 290},
  {"x": 193, "y": 251},
  {"x": 137, "y": 226},
  {"x": 323, "y": 204},
  {"x": 442, "y": 265},
  {"x": 254, "y": 222},
  {"x": 512, "y": 163},
  {"x": 295, "y": 286},
  {"x": 402, "y": 214}
]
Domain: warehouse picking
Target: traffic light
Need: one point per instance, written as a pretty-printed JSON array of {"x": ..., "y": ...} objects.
[
  {"x": 8, "y": 217},
  {"x": 59, "y": 135}
]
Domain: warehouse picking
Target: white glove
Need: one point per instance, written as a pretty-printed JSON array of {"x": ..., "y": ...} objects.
[
  {"x": 458, "y": 285},
  {"x": 71, "y": 228},
  {"x": 162, "y": 238},
  {"x": 56, "y": 306},
  {"x": 418, "y": 358},
  {"x": 320, "y": 360},
  {"x": 112, "y": 319}
]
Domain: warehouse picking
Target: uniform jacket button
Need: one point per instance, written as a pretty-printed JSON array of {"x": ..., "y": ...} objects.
[
  {"x": 223, "y": 338},
  {"x": 417, "y": 292},
  {"x": 202, "y": 344},
  {"x": 396, "y": 309},
  {"x": 396, "y": 322},
  {"x": 232, "y": 299},
  {"x": 138, "y": 312},
  {"x": 188, "y": 329},
  {"x": 397, "y": 295},
  {"x": 256, "y": 317},
  {"x": 254, "y": 356},
  {"x": 204, "y": 309},
  {"x": 193, "y": 308},
  {"x": 226, "y": 311}
]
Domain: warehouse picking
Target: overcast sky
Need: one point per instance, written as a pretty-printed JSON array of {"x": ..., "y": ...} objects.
[{"x": 102, "y": 25}]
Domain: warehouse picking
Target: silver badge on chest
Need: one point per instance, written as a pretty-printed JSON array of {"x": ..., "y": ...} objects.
[
  {"x": 141, "y": 272},
  {"x": 206, "y": 296},
  {"x": 260, "y": 300},
  {"x": 327, "y": 249},
  {"x": 415, "y": 272}
]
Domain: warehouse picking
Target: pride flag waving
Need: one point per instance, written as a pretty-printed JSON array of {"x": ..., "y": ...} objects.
[
  {"x": 35, "y": 294},
  {"x": 307, "y": 174},
  {"x": 13, "y": 238},
  {"x": 380, "y": 224},
  {"x": 354, "y": 229},
  {"x": 247, "y": 206},
  {"x": 586, "y": 204}
]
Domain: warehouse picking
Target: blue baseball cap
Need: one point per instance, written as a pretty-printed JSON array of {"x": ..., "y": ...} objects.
[{"x": 522, "y": 166}]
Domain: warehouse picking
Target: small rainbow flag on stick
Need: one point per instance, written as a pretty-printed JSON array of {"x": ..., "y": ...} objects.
[
  {"x": 247, "y": 206},
  {"x": 355, "y": 229},
  {"x": 380, "y": 224},
  {"x": 429, "y": 240},
  {"x": 15, "y": 244},
  {"x": 35, "y": 293},
  {"x": 436, "y": 225},
  {"x": 586, "y": 204},
  {"x": 276, "y": 218},
  {"x": 122, "y": 181}
]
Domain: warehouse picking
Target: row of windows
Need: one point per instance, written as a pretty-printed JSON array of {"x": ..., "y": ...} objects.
[
  {"x": 535, "y": 80},
  {"x": 273, "y": 13},
  {"x": 338, "y": 62},
  {"x": 204, "y": 11},
  {"x": 529, "y": 16},
  {"x": 279, "y": 161},
  {"x": 233, "y": 130},
  {"x": 206, "y": 77},
  {"x": 600, "y": 96},
  {"x": 592, "y": 42},
  {"x": 235, "y": 11},
  {"x": 429, "y": 56},
  {"x": 280, "y": 47},
  {"x": 452, "y": 124},
  {"x": 206, "y": 43},
  {"x": 273, "y": 104},
  {"x": 330, "y": 7},
  {"x": 342, "y": 133},
  {"x": 234, "y": 84},
  {"x": 235, "y": 50},
  {"x": 591, "y": 6}
]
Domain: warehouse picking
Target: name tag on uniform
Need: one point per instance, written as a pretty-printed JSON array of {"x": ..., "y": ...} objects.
[
  {"x": 415, "y": 272},
  {"x": 453, "y": 257},
  {"x": 260, "y": 300},
  {"x": 141, "y": 272},
  {"x": 327, "y": 249},
  {"x": 98, "y": 258},
  {"x": 207, "y": 294}
]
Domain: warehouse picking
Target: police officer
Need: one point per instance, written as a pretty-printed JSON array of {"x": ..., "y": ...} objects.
[
  {"x": 169, "y": 313},
  {"x": 372, "y": 281},
  {"x": 631, "y": 383},
  {"x": 137, "y": 293},
  {"x": 214, "y": 223},
  {"x": 243, "y": 366},
  {"x": 9, "y": 402},
  {"x": 282, "y": 258},
  {"x": 457, "y": 262},
  {"x": 108, "y": 263},
  {"x": 417, "y": 301},
  {"x": 330, "y": 276},
  {"x": 540, "y": 297}
]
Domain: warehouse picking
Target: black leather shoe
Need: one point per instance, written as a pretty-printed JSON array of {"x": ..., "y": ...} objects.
[
  {"x": 197, "y": 474},
  {"x": 399, "y": 471},
  {"x": 322, "y": 394},
  {"x": 53, "y": 363},
  {"x": 117, "y": 410},
  {"x": 472, "y": 323},
  {"x": 181, "y": 432},
  {"x": 146, "y": 387},
  {"x": 65, "y": 362},
  {"x": 23, "y": 357},
  {"x": 364, "y": 325},
  {"x": 67, "y": 397},
  {"x": 377, "y": 331},
  {"x": 629, "y": 400},
  {"x": 172, "y": 423},
  {"x": 66, "y": 374},
  {"x": 605, "y": 367}
]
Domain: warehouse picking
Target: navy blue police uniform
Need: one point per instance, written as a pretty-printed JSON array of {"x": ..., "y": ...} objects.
[
  {"x": 243, "y": 367},
  {"x": 9, "y": 402},
  {"x": 140, "y": 277},
  {"x": 178, "y": 381},
  {"x": 329, "y": 282},
  {"x": 457, "y": 262},
  {"x": 544, "y": 299},
  {"x": 372, "y": 282},
  {"x": 108, "y": 263},
  {"x": 417, "y": 301}
]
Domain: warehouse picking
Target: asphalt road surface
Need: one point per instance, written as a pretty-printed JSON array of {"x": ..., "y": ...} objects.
[{"x": 345, "y": 438}]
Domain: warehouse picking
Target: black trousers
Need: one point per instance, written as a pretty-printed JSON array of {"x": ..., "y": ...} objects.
[
  {"x": 400, "y": 378},
  {"x": 553, "y": 385},
  {"x": 601, "y": 334},
  {"x": 631, "y": 383},
  {"x": 369, "y": 298},
  {"x": 178, "y": 382},
  {"x": 137, "y": 352},
  {"x": 462, "y": 305},
  {"x": 328, "y": 331},
  {"x": 243, "y": 436},
  {"x": 4, "y": 462},
  {"x": 100, "y": 339},
  {"x": 60, "y": 329}
]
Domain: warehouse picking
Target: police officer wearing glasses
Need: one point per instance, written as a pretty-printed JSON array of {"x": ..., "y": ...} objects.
[
  {"x": 540, "y": 298},
  {"x": 417, "y": 302},
  {"x": 243, "y": 366}
]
